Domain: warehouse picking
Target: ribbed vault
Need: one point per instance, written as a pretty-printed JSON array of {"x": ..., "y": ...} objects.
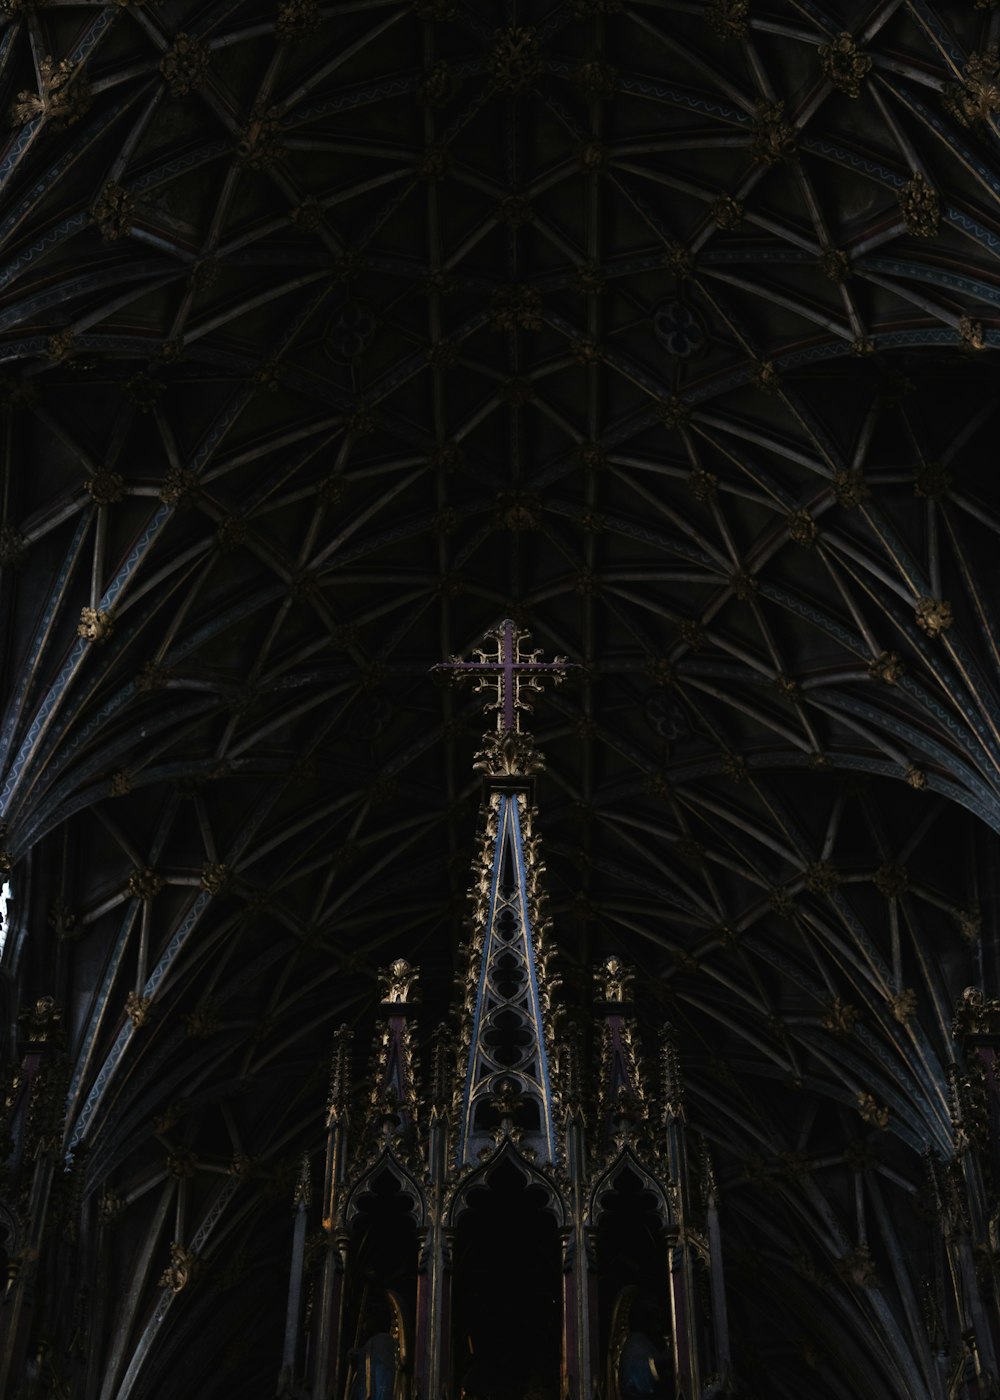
[{"x": 335, "y": 333}]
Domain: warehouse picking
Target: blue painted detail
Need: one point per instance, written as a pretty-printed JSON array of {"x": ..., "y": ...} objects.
[
  {"x": 936, "y": 275},
  {"x": 854, "y": 160},
  {"x": 45, "y": 622},
  {"x": 508, "y": 1040},
  {"x": 948, "y": 133},
  {"x": 107, "y": 1070},
  {"x": 100, "y": 1002},
  {"x": 679, "y": 329},
  {"x": 853, "y": 641},
  {"x": 689, "y": 101}
]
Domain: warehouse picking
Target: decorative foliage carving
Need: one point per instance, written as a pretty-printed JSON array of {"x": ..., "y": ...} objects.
[
  {"x": 920, "y": 206},
  {"x": 851, "y": 488},
  {"x": 515, "y": 61},
  {"x": 845, "y": 63},
  {"x": 113, "y": 212},
  {"x": 871, "y": 1111},
  {"x": 13, "y": 547},
  {"x": 615, "y": 978},
  {"x": 840, "y": 1016},
  {"x": 891, "y": 881},
  {"x": 95, "y": 625},
  {"x": 260, "y": 140},
  {"x": 976, "y": 98},
  {"x": 145, "y": 884},
  {"x": 727, "y": 212},
  {"x": 397, "y": 981},
  {"x": 933, "y": 616},
  {"x": 180, "y": 488},
  {"x": 105, "y": 487},
  {"x": 729, "y": 18},
  {"x": 976, "y": 1014},
  {"x": 41, "y": 1022},
  {"x": 138, "y": 1009},
  {"x": 971, "y": 333},
  {"x": 773, "y": 139},
  {"x": 516, "y": 306},
  {"x": 932, "y": 480},
  {"x": 802, "y": 528},
  {"x": 181, "y": 1270},
  {"x": 185, "y": 64},
  {"x": 296, "y": 19},
  {"x": 888, "y": 667},
  {"x": 62, "y": 99},
  {"x": 835, "y": 264}
]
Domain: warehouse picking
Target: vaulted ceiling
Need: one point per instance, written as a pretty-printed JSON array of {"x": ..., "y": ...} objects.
[{"x": 334, "y": 333}]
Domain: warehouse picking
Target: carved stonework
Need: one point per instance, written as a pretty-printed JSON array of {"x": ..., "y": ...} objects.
[
  {"x": 515, "y": 61},
  {"x": 437, "y": 86},
  {"x": 113, "y": 212},
  {"x": 872, "y": 1112},
  {"x": 845, "y": 63},
  {"x": 595, "y": 78},
  {"x": 920, "y": 206},
  {"x": 971, "y": 333},
  {"x": 891, "y": 881},
  {"x": 145, "y": 884},
  {"x": 41, "y": 1022},
  {"x": 851, "y": 488},
  {"x": 397, "y": 981},
  {"x": 516, "y": 306},
  {"x": 729, "y": 18},
  {"x": 933, "y": 616},
  {"x": 772, "y": 137},
  {"x": 181, "y": 1270},
  {"x": 802, "y": 528},
  {"x": 903, "y": 1004},
  {"x": 260, "y": 140},
  {"x": 976, "y": 98},
  {"x": 184, "y": 65},
  {"x": 508, "y": 754},
  {"x": 835, "y": 264},
  {"x": 105, "y": 487},
  {"x": 840, "y": 1016},
  {"x": 62, "y": 99},
  {"x": 888, "y": 667},
  {"x": 13, "y": 547},
  {"x": 138, "y": 1009},
  {"x": 932, "y": 480},
  {"x": 180, "y": 488},
  {"x": 615, "y": 978},
  {"x": 95, "y": 625},
  {"x": 727, "y": 212},
  {"x": 976, "y": 1014},
  {"x": 302, "y": 1195},
  {"x": 216, "y": 878},
  {"x": 296, "y": 19},
  {"x": 821, "y": 877}
]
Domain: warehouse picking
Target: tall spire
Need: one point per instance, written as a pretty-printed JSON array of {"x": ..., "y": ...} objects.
[
  {"x": 506, "y": 1093},
  {"x": 507, "y": 1090}
]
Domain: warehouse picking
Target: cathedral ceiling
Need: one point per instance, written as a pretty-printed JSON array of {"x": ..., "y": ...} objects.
[{"x": 332, "y": 334}]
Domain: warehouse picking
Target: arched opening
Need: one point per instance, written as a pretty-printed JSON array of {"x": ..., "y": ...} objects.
[
  {"x": 633, "y": 1270},
  {"x": 507, "y": 1292},
  {"x": 381, "y": 1286}
]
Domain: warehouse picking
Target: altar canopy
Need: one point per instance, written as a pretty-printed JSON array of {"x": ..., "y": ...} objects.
[{"x": 533, "y": 1183}]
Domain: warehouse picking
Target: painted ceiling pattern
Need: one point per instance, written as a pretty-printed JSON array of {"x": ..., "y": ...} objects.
[{"x": 332, "y": 334}]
